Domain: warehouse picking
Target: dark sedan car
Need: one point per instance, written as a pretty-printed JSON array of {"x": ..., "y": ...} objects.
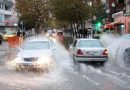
[{"x": 1, "y": 38}]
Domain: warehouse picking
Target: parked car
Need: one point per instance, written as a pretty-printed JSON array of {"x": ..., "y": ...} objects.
[
  {"x": 1, "y": 38},
  {"x": 88, "y": 50},
  {"x": 36, "y": 53}
]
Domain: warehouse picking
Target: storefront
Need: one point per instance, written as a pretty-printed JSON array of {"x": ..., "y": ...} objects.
[
  {"x": 8, "y": 25},
  {"x": 121, "y": 23}
]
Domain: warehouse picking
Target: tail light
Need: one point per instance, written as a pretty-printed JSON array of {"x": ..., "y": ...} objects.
[
  {"x": 79, "y": 52},
  {"x": 105, "y": 52}
]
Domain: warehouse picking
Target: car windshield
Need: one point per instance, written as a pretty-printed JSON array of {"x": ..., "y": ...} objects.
[
  {"x": 36, "y": 45},
  {"x": 89, "y": 43}
]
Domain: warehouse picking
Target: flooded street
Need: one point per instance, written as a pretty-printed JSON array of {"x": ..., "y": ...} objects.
[{"x": 64, "y": 76}]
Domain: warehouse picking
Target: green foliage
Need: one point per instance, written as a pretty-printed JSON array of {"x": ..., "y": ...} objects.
[
  {"x": 33, "y": 11},
  {"x": 57, "y": 13},
  {"x": 70, "y": 10}
]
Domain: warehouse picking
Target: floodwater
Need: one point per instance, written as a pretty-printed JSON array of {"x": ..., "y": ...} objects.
[{"x": 66, "y": 76}]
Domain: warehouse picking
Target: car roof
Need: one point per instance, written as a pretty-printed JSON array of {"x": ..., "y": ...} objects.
[
  {"x": 39, "y": 39},
  {"x": 86, "y": 39}
]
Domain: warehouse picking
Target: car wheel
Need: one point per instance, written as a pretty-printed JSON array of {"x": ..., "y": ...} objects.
[
  {"x": 76, "y": 64},
  {"x": 102, "y": 63}
]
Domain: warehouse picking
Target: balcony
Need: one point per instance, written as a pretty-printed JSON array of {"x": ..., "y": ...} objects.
[
  {"x": 6, "y": 12},
  {"x": 8, "y": 23},
  {"x": 2, "y": 24}
]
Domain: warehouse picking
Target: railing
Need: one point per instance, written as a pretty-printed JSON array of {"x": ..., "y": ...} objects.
[
  {"x": 6, "y": 12},
  {"x": 2, "y": 23}
]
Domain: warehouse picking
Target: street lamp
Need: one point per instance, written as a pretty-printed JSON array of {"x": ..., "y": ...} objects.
[
  {"x": 15, "y": 24},
  {"x": 113, "y": 4},
  {"x": 108, "y": 11}
]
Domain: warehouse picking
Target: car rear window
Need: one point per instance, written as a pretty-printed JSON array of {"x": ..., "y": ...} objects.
[
  {"x": 89, "y": 43},
  {"x": 36, "y": 45}
]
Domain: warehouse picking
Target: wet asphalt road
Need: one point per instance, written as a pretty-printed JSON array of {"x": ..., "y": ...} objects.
[{"x": 65, "y": 76}]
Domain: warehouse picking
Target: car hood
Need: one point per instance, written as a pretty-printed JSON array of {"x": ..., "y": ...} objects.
[{"x": 34, "y": 53}]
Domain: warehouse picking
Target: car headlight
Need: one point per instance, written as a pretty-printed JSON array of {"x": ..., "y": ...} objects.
[
  {"x": 44, "y": 60},
  {"x": 47, "y": 34},
  {"x": 17, "y": 60}
]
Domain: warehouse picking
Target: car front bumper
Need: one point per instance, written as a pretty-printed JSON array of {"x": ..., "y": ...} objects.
[
  {"x": 32, "y": 65},
  {"x": 91, "y": 58}
]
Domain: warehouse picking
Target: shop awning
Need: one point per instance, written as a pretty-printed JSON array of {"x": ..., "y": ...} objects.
[
  {"x": 108, "y": 26},
  {"x": 113, "y": 23}
]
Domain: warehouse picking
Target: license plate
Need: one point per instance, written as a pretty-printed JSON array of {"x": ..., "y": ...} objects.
[{"x": 92, "y": 53}]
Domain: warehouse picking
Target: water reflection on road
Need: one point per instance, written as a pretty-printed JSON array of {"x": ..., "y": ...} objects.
[{"x": 87, "y": 76}]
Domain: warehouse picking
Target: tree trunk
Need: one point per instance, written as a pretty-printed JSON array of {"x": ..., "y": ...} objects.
[{"x": 71, "y": 31}]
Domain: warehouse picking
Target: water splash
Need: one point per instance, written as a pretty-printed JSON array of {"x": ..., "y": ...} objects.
[
  {"x": 116, "y": 48},
  {"x": 63, "y": 62}
]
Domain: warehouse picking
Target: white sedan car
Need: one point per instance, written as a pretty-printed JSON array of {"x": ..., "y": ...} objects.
[
  {"x": 37, "y": 53},
  {"x": 88, "y": 50}
]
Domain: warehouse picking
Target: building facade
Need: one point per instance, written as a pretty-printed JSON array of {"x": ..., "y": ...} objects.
[
  {"x": 8, "y": 16},
  {"x": 119, "y": 16}
]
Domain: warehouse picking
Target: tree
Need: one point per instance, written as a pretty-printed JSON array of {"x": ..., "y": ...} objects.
[
  {"x": 72, "y": 11},
  {"x": 33, "y": 12},
  {"x": 57, "y": 13}
]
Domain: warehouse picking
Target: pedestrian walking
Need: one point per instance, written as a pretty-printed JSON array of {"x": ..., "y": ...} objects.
[
  {"x": 18, "y": 33},
  {"x": 19, "y": 36}
]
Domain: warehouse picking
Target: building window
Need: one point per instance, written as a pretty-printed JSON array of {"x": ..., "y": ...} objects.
[
  {"x": 121, "y": 1},
  {"x": 1, "y": 16},
  {"x": 1, "y": 6}
]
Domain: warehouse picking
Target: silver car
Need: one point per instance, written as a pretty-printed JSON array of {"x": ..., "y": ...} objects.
[
  {"x": 37, "y": 53},
  {"x": 88, "y": 50}
]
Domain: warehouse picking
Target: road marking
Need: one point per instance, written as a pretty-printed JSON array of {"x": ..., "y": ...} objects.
[
  {"x": 118, "y": 74},
  {"x": 115, "y": 79}
]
